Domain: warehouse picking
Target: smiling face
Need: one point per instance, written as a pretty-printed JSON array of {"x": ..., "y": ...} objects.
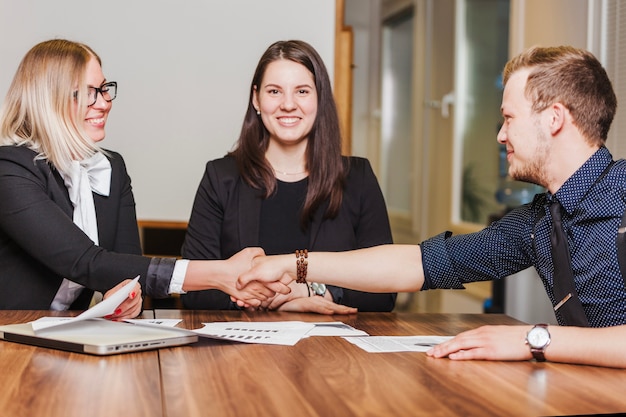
[
  {"x": 527, "y": 142},
  {"x": 287, "y": 100},
  {"x": 95, "y": 116}
]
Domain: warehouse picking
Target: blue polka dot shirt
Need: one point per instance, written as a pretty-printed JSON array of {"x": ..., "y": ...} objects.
[{"x": 593, "y": 205}]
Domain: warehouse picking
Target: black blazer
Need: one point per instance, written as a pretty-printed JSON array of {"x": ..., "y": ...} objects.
[
  {"x": 226, "y": 215},
  {"x": 40, "y": 244}
]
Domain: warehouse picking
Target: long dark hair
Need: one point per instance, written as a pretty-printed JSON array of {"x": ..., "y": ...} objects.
[{"x": 323, "y": 153}]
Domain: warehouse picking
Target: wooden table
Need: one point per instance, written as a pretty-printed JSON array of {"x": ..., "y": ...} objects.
[
  {"x": 319, "y": 376},
  {"x": 327, "y": 376},
  {"x": 46, "y": 382}
]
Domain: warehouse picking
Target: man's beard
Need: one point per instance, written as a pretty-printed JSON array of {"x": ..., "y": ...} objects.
[{"x": 534, "y": 171}]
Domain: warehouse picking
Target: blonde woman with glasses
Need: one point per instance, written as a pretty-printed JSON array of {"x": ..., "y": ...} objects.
[{"x": 67, "y": 213}]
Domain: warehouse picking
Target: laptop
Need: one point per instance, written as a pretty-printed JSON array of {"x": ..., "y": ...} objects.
[{"x": 99, "y": 336}]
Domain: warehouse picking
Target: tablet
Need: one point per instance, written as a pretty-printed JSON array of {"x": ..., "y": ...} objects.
[{"x": 99, "y": 336}]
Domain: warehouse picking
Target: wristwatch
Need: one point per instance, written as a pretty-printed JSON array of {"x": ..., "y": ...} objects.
[
  {"x": 318, "y": 289},
  {"x": 538, "y": 339}
]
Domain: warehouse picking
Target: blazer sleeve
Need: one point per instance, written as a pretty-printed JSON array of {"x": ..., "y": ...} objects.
[
  {"x": 204, "y": 230},
  {"x": 35, "y": 215},
  {"x": 371, "y": 227}
]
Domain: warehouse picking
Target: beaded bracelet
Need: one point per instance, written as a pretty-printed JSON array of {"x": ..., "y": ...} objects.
[{"x": 301, "y": 265}]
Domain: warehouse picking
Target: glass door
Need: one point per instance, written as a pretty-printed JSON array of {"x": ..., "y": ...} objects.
[
  {"x": 397, "y": 112},
  {"x": 481, "y": 187}
]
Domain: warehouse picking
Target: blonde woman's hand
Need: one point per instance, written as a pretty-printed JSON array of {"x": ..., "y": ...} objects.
[{"x": 131, "y": 306}]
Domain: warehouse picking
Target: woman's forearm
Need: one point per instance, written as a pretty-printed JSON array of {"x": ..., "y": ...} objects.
[
  {"x": 206, "y": 275},
  {"x": 219, "y": 274}
]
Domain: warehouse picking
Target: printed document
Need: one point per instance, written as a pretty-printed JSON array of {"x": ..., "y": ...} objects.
[{"x": 397, "y": 343}]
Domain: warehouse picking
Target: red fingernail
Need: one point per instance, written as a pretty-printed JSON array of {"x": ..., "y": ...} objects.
[
  {"x": 108, "y": 316},
  {"x": 132, "y": 295},
  {"x": 118, "y": 311}
]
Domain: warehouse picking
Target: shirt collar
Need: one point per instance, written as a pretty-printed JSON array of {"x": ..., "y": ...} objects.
[{"x": 578, "y": 185}]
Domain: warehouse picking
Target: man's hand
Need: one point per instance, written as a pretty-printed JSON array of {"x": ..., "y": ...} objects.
[
  {"x": 486, "y": 343},
  {"x": 273, "y": 270}
]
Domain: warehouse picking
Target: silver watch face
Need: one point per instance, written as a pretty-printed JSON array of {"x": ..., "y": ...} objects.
[
  {"x": 318, "y": 289},
  {"x": 538, "y": 337}
]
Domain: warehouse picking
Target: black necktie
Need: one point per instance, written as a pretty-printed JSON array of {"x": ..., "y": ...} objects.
[{"x": 568, "y": 307}]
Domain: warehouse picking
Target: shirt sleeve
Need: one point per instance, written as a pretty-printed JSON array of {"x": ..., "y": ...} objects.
[
  {"x": 501, "y": 249},
  {"x": 178, "y": 277}
]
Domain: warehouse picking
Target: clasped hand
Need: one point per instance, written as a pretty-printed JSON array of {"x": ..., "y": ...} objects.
[
  {"x": 275, "y": 272},
  {"x": 255, "y": 293}
]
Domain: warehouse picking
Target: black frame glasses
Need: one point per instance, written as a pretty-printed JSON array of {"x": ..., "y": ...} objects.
[{"x": 108, "y": 91}]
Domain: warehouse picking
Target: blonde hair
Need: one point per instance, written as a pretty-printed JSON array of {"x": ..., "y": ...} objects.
[
  {"x": 573, "y": 77},
  {"x": 46, "y": 101}
]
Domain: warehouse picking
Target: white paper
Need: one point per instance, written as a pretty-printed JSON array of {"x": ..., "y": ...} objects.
[
  {"x": 376, "y": 344},
  {"x": 155, "y": 322},
  {"x": 102, "y": 309},
  {"x": 270, "y": 333},
  {"x": 335, "y": 328}
]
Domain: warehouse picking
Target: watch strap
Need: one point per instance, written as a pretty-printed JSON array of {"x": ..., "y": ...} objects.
[{"x": 539, "y": 352}]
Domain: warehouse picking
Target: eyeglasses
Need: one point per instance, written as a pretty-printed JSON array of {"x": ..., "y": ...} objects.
[{"x": 108, "y": 91}]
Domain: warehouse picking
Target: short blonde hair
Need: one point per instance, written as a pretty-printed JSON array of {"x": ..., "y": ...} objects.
[
  {"x": 574, "y": 78},
  {"x": 39, "y": 110}
]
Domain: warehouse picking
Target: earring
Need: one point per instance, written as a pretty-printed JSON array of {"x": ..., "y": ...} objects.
[{"x": 258, "y": 112}]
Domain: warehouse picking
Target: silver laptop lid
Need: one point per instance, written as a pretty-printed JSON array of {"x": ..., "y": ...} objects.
[{"x": 99, "y": 336}]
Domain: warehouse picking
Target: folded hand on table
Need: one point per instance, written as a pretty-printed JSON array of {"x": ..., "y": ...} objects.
[
  {"x": 315, "y": 304},
  {"x": 299, "y": 300},
  {"x": 131, "y": 306}
]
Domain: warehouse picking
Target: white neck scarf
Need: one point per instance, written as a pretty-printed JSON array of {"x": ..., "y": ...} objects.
[{"x": 93, "y": 174}]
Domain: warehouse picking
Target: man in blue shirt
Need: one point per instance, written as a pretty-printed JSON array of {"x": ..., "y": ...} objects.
[{"x": 558, "y": 105}]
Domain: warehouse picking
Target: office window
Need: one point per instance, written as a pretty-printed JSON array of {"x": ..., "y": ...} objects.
[{"x": 397, "y": 112}]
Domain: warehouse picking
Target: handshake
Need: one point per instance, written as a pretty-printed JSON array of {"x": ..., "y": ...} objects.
[{"x": 256, "y": 281}]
